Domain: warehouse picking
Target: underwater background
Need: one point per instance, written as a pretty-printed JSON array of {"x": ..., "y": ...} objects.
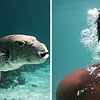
[
  {"x": 69, "y": 19},
  {"x": 28, "y": 17}
]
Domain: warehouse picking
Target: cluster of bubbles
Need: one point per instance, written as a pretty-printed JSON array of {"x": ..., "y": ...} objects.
[{"x": 89, "y": 36}]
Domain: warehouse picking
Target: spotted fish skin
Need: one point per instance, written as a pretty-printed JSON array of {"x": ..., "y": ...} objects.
[{"x": 17, "y": 50}]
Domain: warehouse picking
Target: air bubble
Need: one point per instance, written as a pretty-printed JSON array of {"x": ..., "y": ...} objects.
[
  {"x": 92, "y": 88},
  {"x": 89, "y": 36},
  {"x": 91, "y": 70},
  {"x": 98, "y": 75}
]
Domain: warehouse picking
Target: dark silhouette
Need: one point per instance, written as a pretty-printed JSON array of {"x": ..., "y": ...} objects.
[
  {"x": 79, "y": 85},
  {"x": 98, "y": 26}
]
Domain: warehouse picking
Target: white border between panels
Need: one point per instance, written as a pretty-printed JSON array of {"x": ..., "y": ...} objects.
[{"x": 50, "y": 49}]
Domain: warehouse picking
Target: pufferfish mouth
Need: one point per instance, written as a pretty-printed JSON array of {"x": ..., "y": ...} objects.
[{"x": 44, "y": 55}]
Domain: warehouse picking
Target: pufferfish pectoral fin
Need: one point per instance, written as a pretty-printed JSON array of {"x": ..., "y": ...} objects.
[
  {"x": 2, "y": 57},
  {"x": 2, "y": 54}
]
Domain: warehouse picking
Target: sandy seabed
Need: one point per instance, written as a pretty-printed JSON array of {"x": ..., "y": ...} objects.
[{"x": 37, "y": 87}]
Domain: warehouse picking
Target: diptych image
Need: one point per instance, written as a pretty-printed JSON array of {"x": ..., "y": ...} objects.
[{"x": 49, "y": 50}]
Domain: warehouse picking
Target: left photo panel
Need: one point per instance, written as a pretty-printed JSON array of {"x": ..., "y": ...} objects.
[{"x": 25, "y": 50}]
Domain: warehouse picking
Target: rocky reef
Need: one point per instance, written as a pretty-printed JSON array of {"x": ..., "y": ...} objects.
[{"x": 11, "y": 79}]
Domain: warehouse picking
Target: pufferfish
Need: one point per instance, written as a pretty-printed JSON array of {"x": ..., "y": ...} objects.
[{"x": 17, "y": 50}]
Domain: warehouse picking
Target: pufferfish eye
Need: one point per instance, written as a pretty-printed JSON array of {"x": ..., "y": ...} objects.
[{"x": 21, "y": 43}]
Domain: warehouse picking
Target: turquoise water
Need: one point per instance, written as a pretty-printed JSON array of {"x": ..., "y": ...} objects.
[
  {"x": 27, "y": 17},
  {"x": 69, "y": 19}
]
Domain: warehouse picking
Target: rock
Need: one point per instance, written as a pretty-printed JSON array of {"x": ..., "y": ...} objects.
[
  {"x": 21, "y": 80},
  {"x": 13, "y": 99},
  {"x": 4, "y": 85},
  {"x": 33, "y": 85},
  {"x": 10, "y": 77}
]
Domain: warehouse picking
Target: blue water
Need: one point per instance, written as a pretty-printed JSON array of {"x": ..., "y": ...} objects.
[
  {"x": 28, "y": 17},
  {"x": 69, "y": 19}
]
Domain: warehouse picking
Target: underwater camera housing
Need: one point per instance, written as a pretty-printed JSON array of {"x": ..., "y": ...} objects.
[{"x": 96, "y": 52}]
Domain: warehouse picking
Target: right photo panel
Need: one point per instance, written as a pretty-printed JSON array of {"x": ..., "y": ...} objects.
[{"x": 75, "y": 50}]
